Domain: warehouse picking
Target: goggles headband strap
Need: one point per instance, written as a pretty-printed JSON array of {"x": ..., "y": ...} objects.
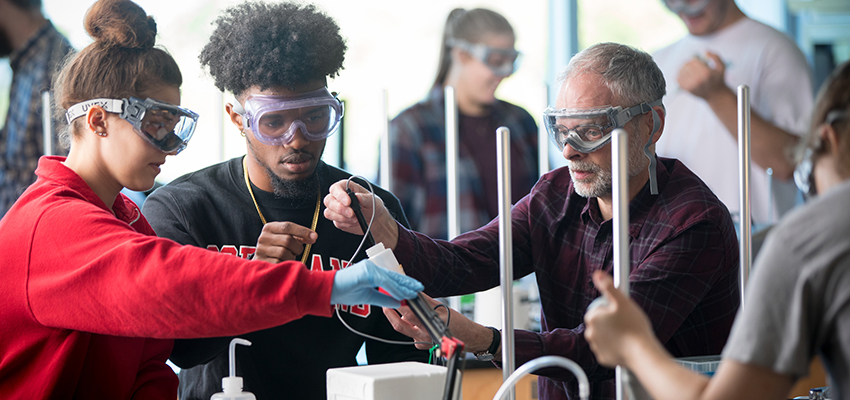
[
  {"x": 656, "y": 123},
  {"x": 110, "y": 105},
  {"x": 653, "y": 179}
]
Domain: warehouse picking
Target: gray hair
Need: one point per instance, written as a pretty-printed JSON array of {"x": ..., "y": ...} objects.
[{"x": 630, "y": 74}]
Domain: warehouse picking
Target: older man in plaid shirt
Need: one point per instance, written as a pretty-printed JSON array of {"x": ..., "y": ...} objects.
[
  {"x": 35, "y": 49},
  {"x": 683, "y": 249}
]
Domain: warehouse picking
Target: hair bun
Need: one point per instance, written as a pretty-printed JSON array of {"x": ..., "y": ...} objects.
[{"x": 120, "y": 23}]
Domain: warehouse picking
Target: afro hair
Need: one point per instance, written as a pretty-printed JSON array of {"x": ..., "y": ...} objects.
[{"x": 272, "y": 45}]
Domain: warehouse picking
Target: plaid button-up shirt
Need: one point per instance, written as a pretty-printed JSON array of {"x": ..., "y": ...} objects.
[
  {"x": 684, "y": 259},
  {"x": 22, "y": 136},
  {"x": 418, "y": 148}
]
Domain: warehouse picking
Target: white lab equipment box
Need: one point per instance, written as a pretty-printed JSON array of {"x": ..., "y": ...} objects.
[{"x": 404, "y": 380}]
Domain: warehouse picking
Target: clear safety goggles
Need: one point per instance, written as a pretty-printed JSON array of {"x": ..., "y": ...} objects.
[
  {"x": 804, "y": 173},
  {"x": 687, "y": 7},
  {"x": 275, "y": 119},
  {"x": 165, "y": 126},
  {"x": 503, "y": 62},
  {"x": 588, "y": 130}
]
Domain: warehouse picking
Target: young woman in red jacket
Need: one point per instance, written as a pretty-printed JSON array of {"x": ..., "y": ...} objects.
[{"x": 90, "y": 298}]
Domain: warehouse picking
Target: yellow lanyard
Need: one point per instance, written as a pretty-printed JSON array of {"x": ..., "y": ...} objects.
[{"x": 262, "y": 218}]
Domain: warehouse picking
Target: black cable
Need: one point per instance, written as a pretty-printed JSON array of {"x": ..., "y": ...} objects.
[
  {"x": 355, "y": 205},
  {"x": 417, "y": 304},
  {"x": 367, "y": 237},
  {"x": 448, "y": 312},
  {"x": 368, "y": 336}
]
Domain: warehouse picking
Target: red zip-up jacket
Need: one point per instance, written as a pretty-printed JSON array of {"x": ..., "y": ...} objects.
[{"x": 90, "y": 300}]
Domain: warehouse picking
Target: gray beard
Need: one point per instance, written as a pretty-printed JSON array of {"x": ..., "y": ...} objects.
[{"x": 603, "y": 184}]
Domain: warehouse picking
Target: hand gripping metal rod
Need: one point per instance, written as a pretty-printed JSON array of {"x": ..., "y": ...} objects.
[
  {"x": 503, "y": 167},
  {"x": 744, "y": 132},
  {"x": 47, "y": 124},
  {"x": 620, "y": 187},
  {"x": 543, "y": 362}
]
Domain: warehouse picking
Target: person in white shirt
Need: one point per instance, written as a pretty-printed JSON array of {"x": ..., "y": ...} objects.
[{"x": 725, "y": 49}]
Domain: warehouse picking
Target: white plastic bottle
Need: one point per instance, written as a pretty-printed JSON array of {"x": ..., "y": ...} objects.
[
  {"x": 232, "y": 385},
  {"x": 384, "y": 258}
]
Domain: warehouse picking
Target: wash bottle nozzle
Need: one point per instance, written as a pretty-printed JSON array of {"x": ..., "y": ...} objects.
[{"x": 232, "y": 385}]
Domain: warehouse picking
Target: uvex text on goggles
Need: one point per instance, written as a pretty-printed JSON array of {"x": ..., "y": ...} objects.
[
  {"x": 165, "y": 126},
  {"x": 588, "y": 130},
  {"x": 502, "y": 62},
  {"x": 275, "y": 119},
  {"x": 687, "y": 7},
  {"x": 804, "y": 173}
]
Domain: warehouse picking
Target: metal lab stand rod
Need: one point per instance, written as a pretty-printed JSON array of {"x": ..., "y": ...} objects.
[
  {"x": 744, "y": 185},
  {"x": 620, "y": 167},
  {"x": 46, "y": 124},
  {"x": 386, "y": 161},
  {"x": 543, "y": 140},
  {"x": 503, "y": 167},
  {"x": 451, "y": 163},
  {"x": 453, "y": 217},
  {"x": 220, "y": 123},
  {"x": 620, "y": 188}
]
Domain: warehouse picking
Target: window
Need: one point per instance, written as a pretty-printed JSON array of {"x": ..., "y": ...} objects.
[
  {"x": 645, "y": 24},
  {"x": 392, "y": 45}
]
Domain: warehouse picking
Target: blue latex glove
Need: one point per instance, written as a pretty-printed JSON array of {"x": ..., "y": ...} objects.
[{"x": 358, "y": 284}]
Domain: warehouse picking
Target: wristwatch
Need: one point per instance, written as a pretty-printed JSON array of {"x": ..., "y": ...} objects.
[{"x": 490, "y": 353}]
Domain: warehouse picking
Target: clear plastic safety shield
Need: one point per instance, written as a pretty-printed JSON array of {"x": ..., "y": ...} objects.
[
  {"x": 588, "y": 130},
  {"x": 165, "y": 126},
  {"x": 274, "y": 119},
  {"x": 585, "y": 130},
  {"x": 503, "y": 62}
]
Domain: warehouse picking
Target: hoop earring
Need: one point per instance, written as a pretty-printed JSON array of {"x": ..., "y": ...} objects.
[{"x": 242, "y": 133}]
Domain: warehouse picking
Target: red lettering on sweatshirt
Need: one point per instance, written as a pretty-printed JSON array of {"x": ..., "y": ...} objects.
[
  {"x": 245, "y": 251},
  {"x": 229, "y": 249},
  {"x": 316, "y": 264},
  {"x": 337, "y": 264},
  {"x": 362, "y": 310}
]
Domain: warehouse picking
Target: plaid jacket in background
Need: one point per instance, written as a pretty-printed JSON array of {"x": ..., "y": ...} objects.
[
  {"x": 22, "y": 136},
  {"x": 418, "y": 141}
]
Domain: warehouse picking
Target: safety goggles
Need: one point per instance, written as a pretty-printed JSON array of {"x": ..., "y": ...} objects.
[
  {"x": 503, "y": 62},
  {"x": 687, "y": 7},
  {"x": 588, "y": 130},
  {"x": 165, "y": 126},
  {"x": 275, "y": 119},
  {"x": 804, "y": 173}
]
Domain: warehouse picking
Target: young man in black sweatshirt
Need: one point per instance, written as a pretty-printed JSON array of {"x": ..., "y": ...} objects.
[{"x": 275, "y": 59}]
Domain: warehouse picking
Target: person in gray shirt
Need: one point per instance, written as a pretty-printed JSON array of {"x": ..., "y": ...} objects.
[{"x": 798, "y": 298}]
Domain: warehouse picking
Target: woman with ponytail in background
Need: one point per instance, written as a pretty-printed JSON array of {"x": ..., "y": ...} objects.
[
  {"x": 90, "y": 298},
  {"x": 477, "y": 54}
]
